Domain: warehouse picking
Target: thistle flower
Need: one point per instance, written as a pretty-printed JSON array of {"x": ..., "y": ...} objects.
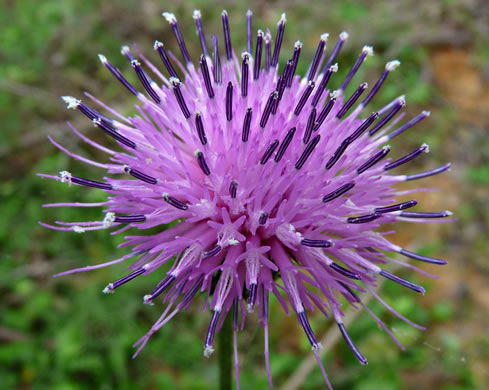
[{"x": 274, "y": 184}]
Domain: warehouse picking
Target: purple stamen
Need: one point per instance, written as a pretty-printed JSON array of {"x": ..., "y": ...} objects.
[
  {"x": 364, "y": 126},
  {"x": 402, "y": 282},
  {"x": 258, "y": 53},
  {"x": 295, "y": 61},
  {"x": 246, "y": 125},
  {"x": 339, "y": 44},
  {"x": 366, "y": 51},
  {"x": 308, "y": 330},
  {"x": 112, "y": 286},
  {"x": 179, "y": 96},
  {"x": 322, "y": 86},
  {"x": 211, "y": 252},
  {"x": 285, "y": 144},
  {"x": 191, "y": 293},
  {"x": 409, "y": 124},
  {"x": 216, "y": 61},
  {"x": 93, "y": 114},
  {"x": 397, "y": 106},
  {"x": 350, "y": 343},
  {"x": 351, "y": 292},
  {"x": 364, "y": 218},
  {"x": 388, "y": 68},
  {"x": 202, "y": 163},
  {"x": 178, "y": 35},
  {"x": 351, "y": 101},
  {"x": 117, "y": 73},
  {"x": 374, "y": 159},
  {"x": 175, "y": 202},
  {"x": 268, "y": 50},
  {"x": 129, "y": 218},
  {"x": 200, "y": 31},
  {"x": 249, "y": 30},
  {"x": 397, "y": 207},
  {"x": 345, "y": 272},
  {"x": 90, "y": 183},
  {"x": 317, "y": 57},
  {"x": 199, "y": 125},
  {"x": 166, "y": 60},
  {"x": 316, "y": 243},
  {"x": 106, "y": 128},
  {"x": 125, "y": 51},
  {"x": 412, "y": 214},
  {"x": 338, "y": 153},
  {"x": 210, "y": 333},
  {"x": 263, "y": 218},
  {"x": 244, "y": 75},
  {"x": 268, "y": 109},
  {"x": 305, "y": 95},
  {"x": 227, "y": 36},
  {"x": 310, "y": 124},
  {"x": 229, "y": 102},
  {"x": 429, "y": 173},
  {"x": 162, "y": 286},
  {"x": 252, "y": 297},
  {"x": 206, "y": 76},
  {"x": 408, "y": 157},
  {"x": 278, "y": 40},
  {"x": 233, "y": 189},
  {"x": 140, "y": 175},
  {"x": 235, "y": 314},
  {"x": 145, "y": 81},
  {"x": 269, "y": 151},
  {"x": 307, "y": 152},
  {"x": 264, "y": 304},
  {"x": 340, "y": 191},
  {"x": 324, "y": 113},
  {"x": 426, "y": 259}
]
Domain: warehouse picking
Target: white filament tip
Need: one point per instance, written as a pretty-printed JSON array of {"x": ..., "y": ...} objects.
[
  {"x": 109, "y": 220},
  {"x": 249, "y": 13},
  {"x": 71, "y": 101},
  {"x": 78, "y": 229},
  {"x": 426, "y": 147},
  {"x": 324, "y": 37},
  {"x": 109, "y": 289},
  {"x": 208, "y": 351},
  {"x": 157, "y": 44},
  {"x": 426, "y": 113},
  {"x": 282, "y": 19},
  {"x": 402, "y": 100},
  {"x": 298, "y": 44},
  {"x": 102, "y": 59},
  {"x": 170, "y": 18},
  {"x": 334, "y": 68},
  {"x": 369, "y": 50},
  {"x": 65, "y": 177},
  {"x": 392, "y": 65},
  {"x": 196, "y": 14},
  {"x": 344, "y": 36},
  {"x": 174, "y": 81},
  {"x": 448, "y": 213},
  {"x": 125, "y": 50}
]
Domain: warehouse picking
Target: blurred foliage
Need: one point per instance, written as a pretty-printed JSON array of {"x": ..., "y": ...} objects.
[{"x": 63, "y": 334}]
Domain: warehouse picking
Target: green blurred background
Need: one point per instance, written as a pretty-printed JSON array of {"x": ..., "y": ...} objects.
[{"x": 64, "y": 334}]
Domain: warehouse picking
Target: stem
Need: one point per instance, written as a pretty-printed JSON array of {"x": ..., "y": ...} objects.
[{"x": 225, "y": 354}]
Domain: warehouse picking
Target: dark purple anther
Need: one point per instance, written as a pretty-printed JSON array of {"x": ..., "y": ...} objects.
[
  {"x": 249, "y": 30},
  {"x": 284, "y": 145},
  {"x": 409, "y": 124},
  {"x": 227, "y": 35},
  {"x": 402, "y": 282},
  {"x": 245, "y": 69},
  {"x": 235, "y": 314},
  {"x": 210, "y": 333},
  {"x": 162, "y": 286},
  {"x": 340, "y": 191},
  {"x": 179, "y": 96},
  {"x": 202, "y": 163},
  {"x": 268, "y": 152},
  {"x": 390, "y": 66},
  {"x": 345, "y": 272},
  {"x": 429, "y": 173},
  {"x": 310, "y": 124},
  {"x": 268, "y": 50},
  {"x": 364, "y": 126},
  {"x": 125, "y": 51},
  {"x": 263, "y": 218},
  {"x": 324, "y": 113},
  {"x": 268, "y": 109},
  {"x": 338, "y": 153},
  {"x": 178, "y": 35},
  {"x": 263, "y": 305},
  {"x": 191, "y": 293},
  {"x": 412, "y": 214},
  {"x": 90, "y": 183},
  {"x": 206, "y": 76},
  {"x": 140, "y": 175},
  {"x": 397, "y": 207},
  {"x": 200, "y": 31},
  {"x": 351, "y": 345},
  {"x": 308, "y": 330},
  {"x": 258, "y": 53},
  {"x": 129, "y": 218},
  {"x": 426, "y": 259},
  {"x": 211, "y": 252},
  {"x": 199, "y": 125},
  {"x": 400, "y": 103},
  {"x": 117, "y": 73},
  {"x": 288, "y": 75},
  {"x": 229, "y": 102},
  {"x": 246, "y": 125},
  {"x": 316, "y": 243},
  {"x": 112, "y": 286},
  {"x": 317, "y": 57},
  {"x": 108, "y": 129},
  {"x": 164, "y": 57},
  {"x": 233, "y": 189},
  {"x": 278, "y": 40},
  {"x": 175, "y": 202},
  {"x": 307, "y": 152},
  {"x": 93, "y": 114},
  {"x": 295, "y": 60},
  {"x": 216, "y": 61},
  {"x": 351, "y": 292},
  {"x": 364, "y": 218},
  {"x": 322, "y": 86},
  {"x": 408, "y": 157},
  {"x": 367, "y": 50},
  {"x": 252, "y": 297},
  {"x": 145, "y": 81},
  {"x": 374, "y": 159},
  {"x": 339, "y": 44},
  {"x": 305, "y": 95},
  {"x": 351, "y": 101}
]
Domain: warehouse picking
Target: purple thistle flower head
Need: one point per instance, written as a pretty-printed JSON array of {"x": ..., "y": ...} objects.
[{"x": 275, "y": 184}]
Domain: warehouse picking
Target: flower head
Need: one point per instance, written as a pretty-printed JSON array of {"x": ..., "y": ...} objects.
[{"x": 274, "y": 182}]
